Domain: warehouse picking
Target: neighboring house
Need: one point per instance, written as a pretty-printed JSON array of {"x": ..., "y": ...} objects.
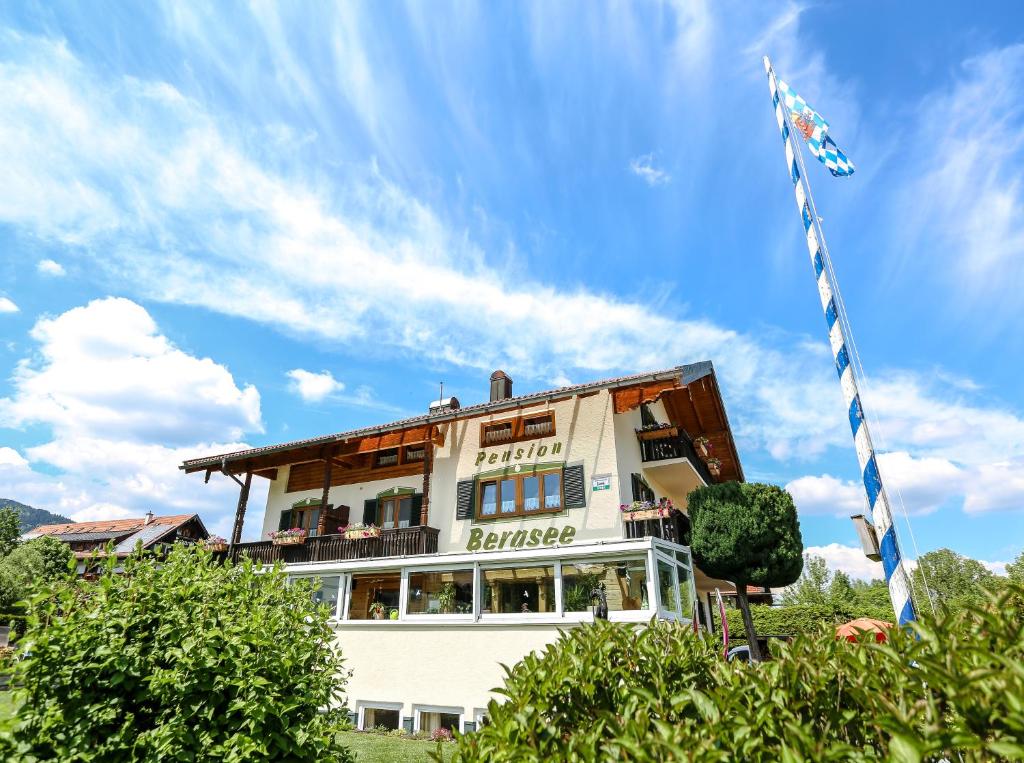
[
  {"x": 90, "y": 539},
  {"x": 497, "y": 521}
]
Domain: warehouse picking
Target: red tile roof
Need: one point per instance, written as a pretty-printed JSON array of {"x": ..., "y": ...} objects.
[{"x": 109, "y": 525}]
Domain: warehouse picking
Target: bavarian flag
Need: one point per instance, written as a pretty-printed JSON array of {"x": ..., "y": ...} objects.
[{"x": 814, "y": 129}]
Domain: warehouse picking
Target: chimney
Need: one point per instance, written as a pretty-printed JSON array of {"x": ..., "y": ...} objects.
[
  {"x": 149, "y": 517},
  {"x": 501, "y": 386}
]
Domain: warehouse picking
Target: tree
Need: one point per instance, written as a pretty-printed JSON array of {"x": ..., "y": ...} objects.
[
  {"x": 31, "y": 564},
  {"x": 841, "y": 595},
  {"x": 10, "y": 531},
  {"x": 1015, "y": 569},
  {"x": 183, "y": 658},
  {"x": 954, "y": 581},
  {"x": 746, "y": 533},
  {"x": 812, "y": 586}
]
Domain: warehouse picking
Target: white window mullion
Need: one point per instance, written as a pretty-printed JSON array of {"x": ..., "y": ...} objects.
[
  {"x": 403, "y": 593},
  {"x": 558, "y": 589}
]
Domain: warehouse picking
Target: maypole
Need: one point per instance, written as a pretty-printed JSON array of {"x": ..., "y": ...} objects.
[{"x": 814, "y": 128}]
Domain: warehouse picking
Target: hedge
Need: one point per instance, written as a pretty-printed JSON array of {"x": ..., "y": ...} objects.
[{"x": 951, "y": 690}]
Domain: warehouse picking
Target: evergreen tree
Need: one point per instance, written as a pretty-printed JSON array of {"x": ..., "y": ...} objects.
[{"x": 746, "y": 533}]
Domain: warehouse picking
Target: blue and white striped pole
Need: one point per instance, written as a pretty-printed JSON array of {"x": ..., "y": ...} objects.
[{"x": 892, "y": 560}]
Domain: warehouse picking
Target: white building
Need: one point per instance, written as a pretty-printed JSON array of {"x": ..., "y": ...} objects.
[{"x": 497, "y": 522}]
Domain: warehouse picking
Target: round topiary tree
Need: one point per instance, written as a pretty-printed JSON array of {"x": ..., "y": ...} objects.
[
  {"x": 746, "y": 533},
  {"x": 179, "y": 659}
]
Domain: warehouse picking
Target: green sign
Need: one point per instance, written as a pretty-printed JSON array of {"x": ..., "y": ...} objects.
[{"x": 519, "y": 538}]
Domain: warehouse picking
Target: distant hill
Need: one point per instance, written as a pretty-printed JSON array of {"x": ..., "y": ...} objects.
[{"x": 30, "y": 516}]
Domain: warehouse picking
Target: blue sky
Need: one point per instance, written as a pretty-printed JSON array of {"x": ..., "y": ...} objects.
[{"x": 242, "y": 224}]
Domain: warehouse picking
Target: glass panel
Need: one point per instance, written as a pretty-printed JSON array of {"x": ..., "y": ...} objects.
[
  {"x": 328, "y": 593},
  {"x": 518, "y": 590},
  {"x": 376, "y": 718},
  {"x": 489, "y": 499},
  {"x": 374, "y": 596},
  {"x": 625, "y": 585},
  {"x": 388, "y": 514},
  {"x": 667, "y": 586},
  {"x": 508, "y": 496},
  {"x": 552, "y": 491},
  {"x": 531, "y": 493},
  {"x": 440, "y": 593},
  {"x": 683, "y": 557},
  {"x": 684, "y": 591},
  {"x": 404, "y": 511},
  {"x": 314, "y": 521}
]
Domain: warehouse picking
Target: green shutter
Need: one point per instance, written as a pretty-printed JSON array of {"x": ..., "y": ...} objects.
[
  {"x": 574, "y": 487},
  {"x": 370, "y": 511},
  {"x": 285, "y": 523},
  {"x": 417, "y": 508},
  {"x": 464, "y": 499}
]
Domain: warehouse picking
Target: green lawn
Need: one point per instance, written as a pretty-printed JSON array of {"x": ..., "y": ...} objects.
[
  {"x": 7, "y": 709},
  {"x": 376, "y": 748}
]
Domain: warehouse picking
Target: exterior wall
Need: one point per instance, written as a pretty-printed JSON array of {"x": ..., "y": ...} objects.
[{"x": 415, "y": 664}]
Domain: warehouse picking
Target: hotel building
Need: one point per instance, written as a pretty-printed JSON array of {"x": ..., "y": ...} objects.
[{"x": 500, "y": 526}]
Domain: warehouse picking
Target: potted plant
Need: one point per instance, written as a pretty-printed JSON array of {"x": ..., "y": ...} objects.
[
  {"x": 393, "y": 614},
  {"x": 214, "y": 543},
  {"x": 291, "y": 537},
  {"x": 714, "y": 466},
  {"x": 657, "y": 431},
  {"x": 358, "y": 531},
  {"x": 446, "y": 598},
  {"x": 703, "y": 446},
  {"x": 378, "y": 611}
]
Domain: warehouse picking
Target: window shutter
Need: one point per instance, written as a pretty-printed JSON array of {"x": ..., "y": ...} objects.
[
  {"x": 285, "y": 523},
  {"x": 417, "y": 507},
  {"x": 635, "y": 479},
  {"x": 370, "y": 511},
  {"x": 464, "y": 499},
  {"x": 574, "y": 487}
]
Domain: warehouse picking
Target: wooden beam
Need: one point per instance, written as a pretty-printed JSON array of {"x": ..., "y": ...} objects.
[
  {"x": 243, "y": 500},
  {"x": 328, "y": 461},
  {"x": 342, "y": 463},
  {"x": 428, "y": 461}
]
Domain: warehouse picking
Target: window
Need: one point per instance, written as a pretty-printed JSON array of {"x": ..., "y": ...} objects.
[
  {"x": 667, "y": 586},
  {"x": 387, "y": 457},
  {"x": 414, "y": 453},
  {"x": 397, "y": 511},
  {"x": 625, "y": 584},
  {"x": 518, "y": 590},
  {"x": 520, "y": 495},
  {"x": 440, "y": 593},
  {"x": 326, "y": 590},
  {"x": 527, "y": 427},
  {"x": 375, "y": 596},
  {"x": 641, "y": 490},
  {"x": 306, "y": 518},
  {"x": 374, "y": 717},
  {"x": 646, "y": 417},
  {"x": 430, "y": 722}
]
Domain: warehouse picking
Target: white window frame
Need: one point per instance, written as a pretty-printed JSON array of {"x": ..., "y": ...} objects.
[
  {"x": 448, "y": 710},
  {"x": 402, "y": 591},
  {"x": 512, "y": 617},
  {"x": 363, "y": 705},
  {"x": 342, "y": 588},
  {"x": 455, "y": 617},
  {"x": 615, "y": 616}
]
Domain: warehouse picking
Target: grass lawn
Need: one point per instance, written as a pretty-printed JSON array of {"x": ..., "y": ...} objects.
[
  {"x": 376, "y": 748},
  {"x": 7, "y": 710}
]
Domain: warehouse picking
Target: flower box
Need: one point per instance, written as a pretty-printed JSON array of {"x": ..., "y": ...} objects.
[
  {"x": 703, "y": 446},
  {"x": 640, "y": 516},
  {"x": 289, "y": 540},
  {"x": 360, "y": 534},
  {"x": 216, "y": 547},
  {"x": 662, "y": 433},
  {"x": 714, "y": 466}
]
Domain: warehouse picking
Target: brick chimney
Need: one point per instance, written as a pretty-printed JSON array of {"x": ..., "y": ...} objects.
[{"x": 501, "y": 386}]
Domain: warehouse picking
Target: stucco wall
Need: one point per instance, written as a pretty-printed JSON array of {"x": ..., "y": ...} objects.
[{"x": 415, "y": 665}]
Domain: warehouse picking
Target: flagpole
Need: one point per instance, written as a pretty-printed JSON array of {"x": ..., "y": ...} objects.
[{"x": 892, "y": 559}]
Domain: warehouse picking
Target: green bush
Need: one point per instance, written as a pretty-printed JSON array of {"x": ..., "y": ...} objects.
[
  {"x": 184, "y": 659},
  {"x": 609, "y": 691},
  {"x": 779, "y": 621}
]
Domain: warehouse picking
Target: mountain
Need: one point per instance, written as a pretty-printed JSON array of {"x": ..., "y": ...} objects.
[{"x": 30, "y": 516}]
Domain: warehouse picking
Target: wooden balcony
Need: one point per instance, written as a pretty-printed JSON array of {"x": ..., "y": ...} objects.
[
  {"x": 674, "y": 528},
  {"x": 405, "y": 541}
]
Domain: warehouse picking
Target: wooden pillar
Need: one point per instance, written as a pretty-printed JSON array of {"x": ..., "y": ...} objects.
[
  {"x": 428, "y": 466},
  {"x": 322, "y": 522},
  {"x": 243, "y": 500}
]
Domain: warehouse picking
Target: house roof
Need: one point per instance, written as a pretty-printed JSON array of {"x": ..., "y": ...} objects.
[
  {"x": 685, "y": 374},
  {"x": 126, "y": 533}
]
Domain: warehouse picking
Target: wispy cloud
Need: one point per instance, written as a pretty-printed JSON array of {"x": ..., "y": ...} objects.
[
  {"x": 643, "y": 167},
  {"x": 7, "y": 306}
]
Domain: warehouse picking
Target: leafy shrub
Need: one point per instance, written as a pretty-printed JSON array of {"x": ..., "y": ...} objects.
[
  {"x": 608, "y": 691},
  {"x": 184, "y": 659},
  {"x": 779, "y": 621}
]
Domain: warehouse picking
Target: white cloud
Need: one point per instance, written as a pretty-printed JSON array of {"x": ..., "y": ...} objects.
[
  {"x": 643, "y": 167},
  {"x": 124, "y": 407},
  {"x": 997, "y": 568},
  {"x": 997, "y": 486},
  {"x": 7, "y": 306},
  {"x": 849, "y": 559},
  {"x": 826, "y": 494},
  {"x": 313, "y": 387},
  {"x": 50, "y": 268},
  {"x": 133, "y": 173}
]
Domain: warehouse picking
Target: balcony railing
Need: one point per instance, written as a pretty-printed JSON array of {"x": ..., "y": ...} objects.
[
  {"x": 674, "y": 528},
  {"x": 674, "y": 446},
  {"x": 404, "y": 541}
]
